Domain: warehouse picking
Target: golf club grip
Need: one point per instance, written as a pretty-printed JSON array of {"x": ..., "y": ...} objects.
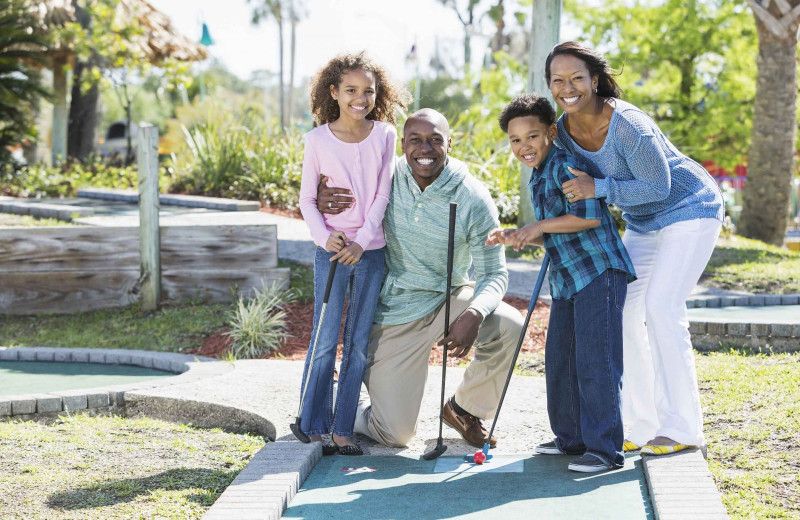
[
  {"x": 328, "y": 285},
  {"x": 534, "y": 296},
  {"x": 451, "y": 238}
]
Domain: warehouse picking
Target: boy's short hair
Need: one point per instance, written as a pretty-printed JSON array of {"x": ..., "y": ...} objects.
[{"x": 527, "y": 105}]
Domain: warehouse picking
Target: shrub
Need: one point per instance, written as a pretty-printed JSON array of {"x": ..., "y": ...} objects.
[
  {"x": 258, "y": 323},
  {"x": 38, "y": 180}
]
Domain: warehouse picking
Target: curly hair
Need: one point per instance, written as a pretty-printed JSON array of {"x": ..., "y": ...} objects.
[
  {"x": 596, "y": 63},
  {"x": 527, "y": 105},
  {"x": 325, "y": 109}
]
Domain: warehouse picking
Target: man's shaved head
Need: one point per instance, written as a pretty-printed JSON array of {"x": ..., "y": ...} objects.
[{"x": 435, "y": 117}]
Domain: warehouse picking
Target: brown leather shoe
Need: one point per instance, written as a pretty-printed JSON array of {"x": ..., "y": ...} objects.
[{"x": 468, "y": 426}]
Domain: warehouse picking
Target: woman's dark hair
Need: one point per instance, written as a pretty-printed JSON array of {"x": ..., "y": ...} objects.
[
  {"x": 527, "y": 105},
  {"x": 325, "y": 109},
  {"x": 595, "y": 62}
]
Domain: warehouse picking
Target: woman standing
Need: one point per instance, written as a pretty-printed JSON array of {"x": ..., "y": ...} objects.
[{"x": 674, "y": 211}]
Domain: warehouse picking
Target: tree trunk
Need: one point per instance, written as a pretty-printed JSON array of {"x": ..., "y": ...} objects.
[
  {"x": 83, "y": 116},
  {"x": 281, "y": 90},
  {"x": 292, "y": 56},
  {"x": 770, "y": 164}
]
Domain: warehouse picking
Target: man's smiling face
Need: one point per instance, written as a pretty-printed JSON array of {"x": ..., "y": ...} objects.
[{"x": 426, "y": 142}]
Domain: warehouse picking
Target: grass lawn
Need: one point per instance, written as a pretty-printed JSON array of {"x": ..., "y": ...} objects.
[
  {"x": 9, "y": 220},
  {"x": 114, "y": 468},
  {"x": 749, "y": 265},
  {"x": 752, "y": 423}
]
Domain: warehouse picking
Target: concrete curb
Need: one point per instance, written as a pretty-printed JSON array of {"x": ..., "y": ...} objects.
[
  {"x": 44, "y": 210},
  {"x": 264, "y": 488},
  {"x": 104, "y": 399},
  {"x": 681, "y": 487},
  {"x": 198, "y": 413},
  {"x": 772, "y": 337},
  {"x": 744, "y": 300},
  {"x": 189, "y": 201}
]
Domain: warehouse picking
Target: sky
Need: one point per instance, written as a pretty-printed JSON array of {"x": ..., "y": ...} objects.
[{"x": 386, "y": 28}]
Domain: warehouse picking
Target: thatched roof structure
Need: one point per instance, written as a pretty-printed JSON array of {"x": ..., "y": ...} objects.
[{"x": 160, "y": 39}]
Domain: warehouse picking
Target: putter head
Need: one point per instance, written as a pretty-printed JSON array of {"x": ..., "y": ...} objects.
[
  {"x": 301, "y": 436},
  {"x": 486, "y": 451},
  {"x": 435, "y": 452}
]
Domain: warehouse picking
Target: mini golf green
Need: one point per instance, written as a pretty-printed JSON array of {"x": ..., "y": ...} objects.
[
  {"x": 28, "y": 377},
  {"x": 509, "y": 487}
]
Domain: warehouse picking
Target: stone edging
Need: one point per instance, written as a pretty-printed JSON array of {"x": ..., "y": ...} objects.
[
  {"x": 102, "y": 399},
  {"x": 752, "y": 300},
  {"x": 266, "y": 486},
  {"x": 776, "y": 337},
  {"x": 189, "y": 201},
  {"x": 681, "y": 487}
]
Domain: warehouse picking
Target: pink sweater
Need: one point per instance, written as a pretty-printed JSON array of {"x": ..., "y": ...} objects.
[{"x": 364, "y": 168}]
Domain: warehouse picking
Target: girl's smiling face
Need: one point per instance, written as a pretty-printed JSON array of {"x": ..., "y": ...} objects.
[
  {"x": 355, "y": 94},
  {"x": 571, "y": 83},
  {"x": 530, "y": 139}
]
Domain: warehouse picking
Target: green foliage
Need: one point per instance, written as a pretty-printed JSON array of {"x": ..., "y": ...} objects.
[
  {"x": 478, "y": 139},
  {"x": 21, "y": 48},
  {"x": 688, "y": 64},
  {"x": 39, "y": 180},
  {"x": 258, "y": 323},
  {"x": 232, "y": 152}
]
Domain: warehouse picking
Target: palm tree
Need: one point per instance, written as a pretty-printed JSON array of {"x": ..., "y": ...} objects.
[
  {"x": 21, "y": 48},
  {"x": 274, "y": 9},
  {"x": 772, "y": 145}
]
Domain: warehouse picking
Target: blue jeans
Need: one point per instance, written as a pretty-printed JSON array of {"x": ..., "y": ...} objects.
[
  {"x": 583, "y": 368},
  {"x": 363, "y": 283}
]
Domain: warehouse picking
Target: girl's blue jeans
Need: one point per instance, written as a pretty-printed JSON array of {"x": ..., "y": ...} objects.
[
  {"x": 360, "y": 284},
  {"x": 583, "y": 368}
]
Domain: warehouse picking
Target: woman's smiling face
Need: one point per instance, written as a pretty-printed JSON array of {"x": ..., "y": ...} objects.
[{"x": 571, "y": 83}]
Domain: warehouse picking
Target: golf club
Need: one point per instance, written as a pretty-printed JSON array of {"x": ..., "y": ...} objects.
[
  {"x": 531, "y": 305},
  {"x": 295, "y": 426},
  {"x": 440, "y": 447}
]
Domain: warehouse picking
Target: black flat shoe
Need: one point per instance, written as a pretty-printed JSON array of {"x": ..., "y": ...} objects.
[
  {"x": 329, "y": 449},
  {"x": 349, "y": 449}
]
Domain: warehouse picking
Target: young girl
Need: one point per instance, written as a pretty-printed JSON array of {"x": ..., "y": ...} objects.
[{"x": 353, "y": 102}]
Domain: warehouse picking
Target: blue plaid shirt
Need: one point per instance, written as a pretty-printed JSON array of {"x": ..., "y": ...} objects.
[{"x": 575, "y": 258}]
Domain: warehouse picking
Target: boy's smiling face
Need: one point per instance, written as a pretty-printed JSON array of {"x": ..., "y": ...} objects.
[{"x": 530, "y": 139}]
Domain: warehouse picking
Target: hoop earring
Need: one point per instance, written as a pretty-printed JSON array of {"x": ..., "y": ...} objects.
[{"x": 595, "y": 91}]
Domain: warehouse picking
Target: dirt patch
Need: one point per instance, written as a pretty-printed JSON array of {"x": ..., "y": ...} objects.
[
  {"x": 300, "y": 318},
  {"x": 293, "y": 213}
]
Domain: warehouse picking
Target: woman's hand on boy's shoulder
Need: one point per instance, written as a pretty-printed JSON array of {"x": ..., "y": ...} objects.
[{"x": 578, "y": 188}]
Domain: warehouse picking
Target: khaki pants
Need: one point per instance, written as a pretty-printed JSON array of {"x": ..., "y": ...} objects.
[{"x": 397, "y": 367}]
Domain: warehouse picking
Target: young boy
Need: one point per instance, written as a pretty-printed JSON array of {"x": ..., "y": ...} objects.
[{"x": 589, "y": 273}]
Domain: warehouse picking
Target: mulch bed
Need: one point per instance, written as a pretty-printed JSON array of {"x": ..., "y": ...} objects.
[{"x": 300, "y": 318}]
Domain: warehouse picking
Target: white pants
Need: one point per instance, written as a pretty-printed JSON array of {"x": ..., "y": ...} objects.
[{"x": 659, "y": 384}]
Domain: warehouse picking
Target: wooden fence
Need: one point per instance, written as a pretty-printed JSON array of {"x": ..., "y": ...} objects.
[{"x": 72, "y": 269}]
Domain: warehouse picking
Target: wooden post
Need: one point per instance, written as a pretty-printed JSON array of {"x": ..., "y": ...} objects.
[
  {"x": 60, "y": 111},
  {"x": 149, "y": 237},
  {"x": 545, "y": 24}
]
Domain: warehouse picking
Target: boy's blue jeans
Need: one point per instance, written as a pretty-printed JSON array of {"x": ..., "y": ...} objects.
[
  {"x": 363, "y": 284},
  {"x": 583, "y": 368}
]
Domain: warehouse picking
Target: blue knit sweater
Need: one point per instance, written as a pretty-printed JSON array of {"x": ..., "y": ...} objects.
[{"x": 644, "y": 175}]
